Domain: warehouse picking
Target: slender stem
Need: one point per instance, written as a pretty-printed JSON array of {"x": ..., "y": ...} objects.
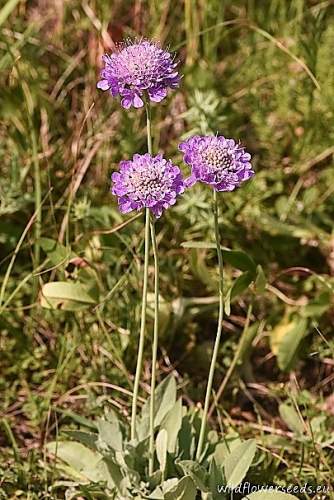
[
  {"x": 219, "y": 329},
  {"x": 148, "y": 127},
  {"x": 142, "y": 326},
  {"x": 144, "y": 295},
  {"x": 156, "y": 309},
  {"x": 154, "y": 345},
  {"x": 236, "y": 358},
  {"x": 38, "y": 200}
]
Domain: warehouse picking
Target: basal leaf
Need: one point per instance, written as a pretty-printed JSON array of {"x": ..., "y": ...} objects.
[
  {"x": 82, "y": 460},
  {"x": 290, "y": 416},
  {"x": 196, "y": 472},
  {"x": 86, "y": 438},
  {"x": 184, "y": 490},
  {"x": 285, "y": 340},
  {"x": 161, "y": 448},
  {"x": 172, "y": 423},
  {"x": 110, "y": 433},
  {"x": 66, "y": 296},
  {"x": 269, "y": 495},
  {"x": 237, "y": 463},
  {"x": 165, "y": 397}
]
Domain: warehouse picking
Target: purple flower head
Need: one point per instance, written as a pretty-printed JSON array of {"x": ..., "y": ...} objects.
[
  {"x": 147, "y": 181},
  {"x": 137, "y": 70},
  {"x": 217, "y": 161}
]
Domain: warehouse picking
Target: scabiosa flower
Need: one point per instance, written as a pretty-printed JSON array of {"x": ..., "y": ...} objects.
[
  {"x": 138, "y": 70},
  {"x": 217, "y": 161},
  {"x": 147, "y": 181}
]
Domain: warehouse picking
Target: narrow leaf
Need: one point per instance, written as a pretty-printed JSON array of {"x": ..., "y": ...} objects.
[{"x": 161, "y": 448}]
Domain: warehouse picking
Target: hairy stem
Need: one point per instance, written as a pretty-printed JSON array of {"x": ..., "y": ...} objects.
[{"x": 219, "y": 329}]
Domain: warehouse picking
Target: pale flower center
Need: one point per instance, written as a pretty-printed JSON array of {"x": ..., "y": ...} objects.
[
  {"x": 217, "y": 158},
  {"x": 144, "y": 184}
]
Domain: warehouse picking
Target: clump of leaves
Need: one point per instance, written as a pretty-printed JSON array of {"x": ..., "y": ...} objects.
[{"x": 102, "y": 455}]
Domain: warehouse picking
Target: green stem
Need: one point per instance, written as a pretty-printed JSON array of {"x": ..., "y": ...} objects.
[
  {"x": 38, "y": 201},
  {"x": 156, "y": 309},
  {"x": 219, "y": 329},
  {"x": 144, "y": 295},
  {"x": 142, "y": 326},
  {"x": 154, "y": 346},
  {"x": 148, "y": 127}
]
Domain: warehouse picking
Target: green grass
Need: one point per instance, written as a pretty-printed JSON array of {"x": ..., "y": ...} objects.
[{"x": 258, "y": 71}]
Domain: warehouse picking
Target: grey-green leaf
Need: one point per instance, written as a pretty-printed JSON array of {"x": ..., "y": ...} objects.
[
  {"x": 196, "y": 472},
  {"x": 66, "y": 296},
  {"x": 184, "y": 490},
  {"x": 80, "y": 458},
  {"x": 161, "y": 448},
  {"x": 237, "y": 463},
  {"x": 165, "y": 398},
  {"x": 290, "y": 416},
  {"x": 172, "y": 423},
  {"x": 110, "y": 433},
  {"x": 270, "y": 495}
]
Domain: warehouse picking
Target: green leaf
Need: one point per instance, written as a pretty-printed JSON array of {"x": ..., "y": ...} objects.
[
  {"x": 172, "y": 423},
  {"x": 285, "y": 340},
  {"x": 239, "y": 285},
  {"x": 186, "y": 438},
  {"x": 165, "y": 398},
  {"x": 260, "y": 280},
  {"x": 81, "y": 459},
  {"x": 215, "y": 478},
  {"x": 224, "y": 448},
  {"x": 56, "y": 252},
  {"x": 66, "y": 296},
  {"x": 238, "y": 462},
  {"x": 161, "y": 448},
  {"x": 184, "y": 490},
  {"x": 196, "y": 472},
  {"x": 77, "y": 418},
  {"x": 86, "y": 438},
  {"x": 115, "y": 474},
  {"x": 240, "y": 260},
  {"x": 318, "y": 306},
  {"x": 235, "y": 258},
  {"x": 269, "y": 495},
  {"x": 158, "y": 493},
  {"x": 110, "y": 432},
  {"x": 290, "y": 416}
]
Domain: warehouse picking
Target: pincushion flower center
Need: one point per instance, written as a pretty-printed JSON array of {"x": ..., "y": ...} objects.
[
  {"x": 140, "y": 65},
  {"x": 146, "y": 183},
  {"x": 217, "y": 158}
]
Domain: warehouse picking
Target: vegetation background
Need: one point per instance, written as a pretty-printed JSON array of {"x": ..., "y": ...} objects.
[{"x": 260, "y": 71}]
